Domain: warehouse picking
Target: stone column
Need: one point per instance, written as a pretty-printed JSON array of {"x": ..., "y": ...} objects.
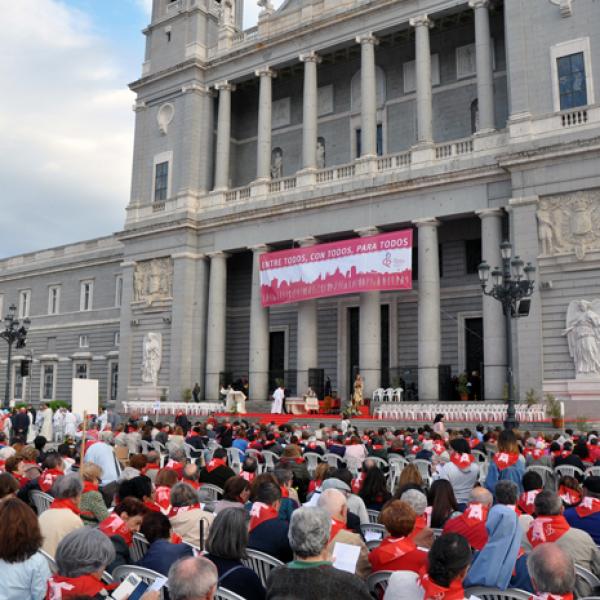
[
  {"x": 368, "y": 96},
  {"x": 485, "y": 73},
  {"x": 259, "y": 334},
  {"x": 494, "y": 336},
  {"x": 310, "y": 111},
  {"x": 265, "y": 105},
  {"x": 307, "y": 334},
  {"x": 369, "y": 350},
  {"x": 126, "y": 341},
  {"x": 216, "y": 324},
  {"x": 429, "y": 328},
  {"x": 223, "y": 136},
  {"x": 422, "y": 25}
]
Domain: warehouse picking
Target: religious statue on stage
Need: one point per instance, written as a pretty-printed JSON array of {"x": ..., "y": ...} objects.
[
  {"x": 357, "y": 396},
  {"x": 311, "y": 402}
]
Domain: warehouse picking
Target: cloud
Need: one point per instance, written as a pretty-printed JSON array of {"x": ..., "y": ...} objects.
[
  {"x": 251, "y": 11},
  {"x": 145, "y": 5},
  {"x": 66, "y": 129}
]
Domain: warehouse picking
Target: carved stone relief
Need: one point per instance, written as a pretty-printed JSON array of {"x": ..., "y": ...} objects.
[
  {"x": 153, "y": 280},
  {"x": 569, "y": 224}
]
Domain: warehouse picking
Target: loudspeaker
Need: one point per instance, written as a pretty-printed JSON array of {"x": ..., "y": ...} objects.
[{"x": 25, "y": 368}]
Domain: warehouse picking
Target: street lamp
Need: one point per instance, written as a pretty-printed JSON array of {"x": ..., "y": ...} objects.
[
  {"x": 510, "y": 285},
  {"x": 15, "y": 330}
]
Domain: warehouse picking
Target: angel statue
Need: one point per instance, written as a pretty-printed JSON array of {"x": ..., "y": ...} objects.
[
  {"x": 583, "y": 335},
  {"x": 266, "y": 5}
]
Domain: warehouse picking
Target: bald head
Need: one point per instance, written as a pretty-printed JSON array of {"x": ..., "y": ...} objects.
[
  {"x": 334, "y": 502},
  {"x": 482, "y": 496},
  {"x": 551, "y": 569}
]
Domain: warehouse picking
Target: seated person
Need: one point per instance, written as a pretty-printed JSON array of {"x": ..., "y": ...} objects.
[
  {"x": 216, "y": 471},
  {"x": 552, "y": 572},
  {"x": 586, "y": 516},
  {"x": 187, "y": 516},
  {"x": 471, "y": 523},
  {"x": 193, "y": 578}
]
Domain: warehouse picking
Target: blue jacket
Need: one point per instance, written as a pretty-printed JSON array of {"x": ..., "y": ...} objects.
[
  {"x": 162, "y": 554},
  {"x": 271, "y": 537},
  {"x": 589, "y": 524},
  {"x": 514, "y": 473}
]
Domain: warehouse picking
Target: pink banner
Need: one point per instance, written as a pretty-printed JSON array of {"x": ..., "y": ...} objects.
[{"x": 380, "y": 262}]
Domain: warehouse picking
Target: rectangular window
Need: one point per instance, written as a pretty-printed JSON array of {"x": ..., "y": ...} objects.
[
  {"x": 117, "y": 339},
  {"x": 86, "y": 295},
  {"x": 84, "y": 341},
  {"x": 81, "y": 370},
  {"x": 48, "y": 382},
  {"x": 473, "y": 255},
  {"x": 24, "y": 303},
  {"x": 114, "y": 380},
  {"x": 161, "y": 181},
  {"x": 118, "y": 290},
  {"x": 379, "y": 141},
  {"x": 572, "y": 86},
  {"x": 53, "y": 300}
]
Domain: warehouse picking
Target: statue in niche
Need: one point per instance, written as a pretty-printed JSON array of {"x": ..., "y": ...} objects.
[
  {"x": 153, "y": 280},
  {"x": 277, "y": 163},
  {"x": 583, "y": 335},
  {"x": 151, "y": 358},
  {"x": 320, "y": 153},
  {"x": 549, "y": 238},
  {"x": 475, "y": 116},
  {"x": 227, "y": 16}
]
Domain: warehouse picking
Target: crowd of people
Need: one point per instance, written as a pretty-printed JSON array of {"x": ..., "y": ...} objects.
[{"x": 454, "y": 509}]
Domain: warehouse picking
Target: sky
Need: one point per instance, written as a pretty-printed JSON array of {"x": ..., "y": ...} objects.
[{"x": 66, "y": 119}]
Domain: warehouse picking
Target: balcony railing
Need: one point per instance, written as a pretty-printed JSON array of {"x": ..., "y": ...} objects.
[
  {"x": 279, "y": 185},
  {"x": 393, "y": 161},
  {"x": 242, "y": 193},
  {"x": 574, "y": 117},
  {"x": 336, "y": 173},
  {"x": 455, "y": 148}
]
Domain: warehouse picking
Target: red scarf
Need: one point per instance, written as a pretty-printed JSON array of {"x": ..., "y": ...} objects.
[
  {"x": 547, "y": 529},
  {"x": 175, "y": 510},
  {"x": 420, "y": 524},
  {"x": 473, "y": 443},
  {"x": 150, "y": 505},
  {"x": 433, "y": 591},
  {"x": 47, "y": 478},
  {"x": 336, "y": 527},
  {"x": 285, "y": 493},
  {"x": 259, "y": 513},
  {"x": 526, "y": 501},
  {"x": 175, "y": 466},
  {"x": 392, "y": 548},
  {"x": 569, "y": 496},
  {"x": 194, "y": 484},
  {"x": 249, "y": 477},
  {"x": 88, "y": 486},
  {"x": 475, "y": 513},
  {"x": 536, "y": 453},
  {"x": 61, "y": 588},
  {"x": 357, "y": 482},
  {"x": 503, "y": 460},
  {"x": 215, "y": 463},
  {"x": 150, "y": 467},
  {"x": 549, "y": 596},
  {"x": 439, "y": 448},
  {"x": 66, "y": 503},
  {"x": 114, "y": 525},
  {"x": 589, "y": 506},
  {"x": 462, "y": 461},
  {"x": 162, "y": 497}
]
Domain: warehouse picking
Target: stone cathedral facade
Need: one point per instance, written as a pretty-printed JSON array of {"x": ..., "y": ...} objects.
[{"x": 471, "y": 121}]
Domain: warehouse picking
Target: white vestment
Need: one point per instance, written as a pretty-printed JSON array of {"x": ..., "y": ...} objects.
[
  {"x": 46, "y": 430},
  {"x": 277, "y": 406},
  {"x": 70, "y": 424}
]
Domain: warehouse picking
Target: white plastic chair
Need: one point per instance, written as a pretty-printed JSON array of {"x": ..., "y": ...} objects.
[
  {"x": 210, "y": 492},
  {"x": 225, "y": 594},
  {"x": 378, "y": 582},
  {"x": 146, "y": 575},
  {"x": 41, "y": 501},
  {"x": 139, "y": 547},
  {"x": 568, "y": 471},
  {"x": 262, "y": 564},
  {"x": 485, "y": 593}
]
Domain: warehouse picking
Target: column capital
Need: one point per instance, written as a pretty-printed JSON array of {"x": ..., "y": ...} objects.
[
  {"x": 189, "y": 256},
  {"x": 196, "y": 88},
  {"x": 310, "y": 57},
  {"x": 266, "y": 72},
  {"x": 217, "y": 254},
  {"x": 225, "y": 86},
  {"x": 421, "y": 21},
  {"x": 139, "y": 106},
  {"x": 479, "y": 3},
  {"x": 367, "y": 231},
  {"x": 305, "y": 242},
  {"x": 427, "y": 222},
  {"x": 259, "y": 248},
  {"x": 367, "y": 38},
  {"x": 489, "y": 212}
]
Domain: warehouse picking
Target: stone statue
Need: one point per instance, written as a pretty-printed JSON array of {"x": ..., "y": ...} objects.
[
  {"x": 320, "y": 153},
  {"x": 153, "y": 280},
  {"x": 151, "y": 358},
  {"x": 266, "y": 5},
  {"x": 357, "y": 396},
  {"x": 546, "y": 234},
  {"x": 227, "y": 15},
  {"x": 277, "y": 163},
  {"x": 583, "y": 335}
]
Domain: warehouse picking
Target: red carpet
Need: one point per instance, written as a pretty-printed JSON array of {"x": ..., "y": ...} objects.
[{"x": 282, "y": 419}]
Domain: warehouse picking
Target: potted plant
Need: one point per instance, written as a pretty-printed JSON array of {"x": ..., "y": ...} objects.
[
  {"x": 463, "y": 386},
  {"x": 554, "y": 411},
  {"x": 186, "y": 394},
  {"x": 531, "y": 398}
]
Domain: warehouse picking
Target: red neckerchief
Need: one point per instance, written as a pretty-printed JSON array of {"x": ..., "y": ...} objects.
[
  {"x": 420, "y": 524},
  {"x": 47, "y": 478},
  {"x": 65, "y": 503},
  {"x": 392, "y": 548},
  {"x": 473, "y": 443},
  {"x": 566, "y": 453},
  {"x": 20, "y": 478},
  {"x": 569, "y": 496},
  {"x": 503, "y": 460},
  {"x": 114, "y": 525},
  {"x": 249, "y": 477},
  {"x": 439, "y": 448},
  {"x": 589, "y": 506},
  {"x": 336, "y": 527},
  {"x": 61, "y": 588},
  {"x": 433, "y": 591},
  {"x": 175, "y": 466},
  {"x": 150, "y": 505},
  {"x": 549, "y": 596},
  {"x": 2, "y": 463},
  {"x": 176, "y": 539},
  {"x": 215, "y": 463},
  {"x": 377, "y": 447},
  {"x": 547, "y": 529},
  {"x": 475, "y": 513},
  {"x": 357, "y": 483},
  {"x": 415, "y": 449},
  {"x": 536, "y": 453},
  {"x": 88, "y": 486},
  {"x": 259, "y": 513},
  {"x": 526, "y": 501},
  {"x": 175, "y": 510},
  {"x": 162, "y": 497},
  {"x": 150, "y": 467},
  {"x": 285, "y": 493},
  {"x": 194, "y": 484},
  {"x": 462, "y": 461}
]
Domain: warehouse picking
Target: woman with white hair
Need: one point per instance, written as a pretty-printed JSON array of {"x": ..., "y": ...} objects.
[
  {"x": 311, "y": 574},
  {"x": 81, "y": 558}
]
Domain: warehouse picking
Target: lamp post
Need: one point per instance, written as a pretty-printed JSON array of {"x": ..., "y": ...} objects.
[
  {"x": 510, "y": 285},
  {"x": 15, "y": 330}
]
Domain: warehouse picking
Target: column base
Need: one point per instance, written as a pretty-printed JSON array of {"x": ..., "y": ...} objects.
[
  {"x": 519, "y": 125},
  {"x": 217, "y": 197},
  {"x": 306, "y": 177},
  {"x": 422, "y": 153},
  {"x": 366, "y": 165},
  {"x": 259, "y": 187}
]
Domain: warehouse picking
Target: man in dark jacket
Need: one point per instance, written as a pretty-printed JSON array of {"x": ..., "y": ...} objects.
[
  {"x": 20, "y": 424},
  {"x": 216, "y": 471}
]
